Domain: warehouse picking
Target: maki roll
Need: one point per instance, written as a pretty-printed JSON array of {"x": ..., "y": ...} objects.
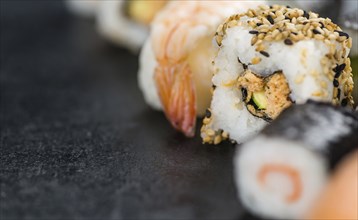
[
  {"x": 85, "y": 8},
  {"x": 126, "y": 23},
  {"x": 175, "y": 63},
  {"x": 269, "y": 59},
  {"x": 282, "y": 171}
]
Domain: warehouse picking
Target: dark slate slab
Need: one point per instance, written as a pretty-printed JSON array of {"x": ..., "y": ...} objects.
[{"x": 77, "y": 139}]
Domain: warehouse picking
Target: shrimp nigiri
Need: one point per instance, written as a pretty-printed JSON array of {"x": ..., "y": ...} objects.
[{"x": 176, "y": 61}]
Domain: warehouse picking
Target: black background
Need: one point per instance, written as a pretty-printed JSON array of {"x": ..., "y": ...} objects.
[{"x": 77, "y": 139}]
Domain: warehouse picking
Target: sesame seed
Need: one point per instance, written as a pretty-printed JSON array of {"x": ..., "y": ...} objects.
[
  {"x": 306, "y": 15},
  {"x": 288, "y": 42},
  {"x": 253, "y": 32},
  {"x": 254, "y": 40},
  {"x": 255, "y": 60},
  {"x": 225, "y": 135},
  {"x": 338, "y": 70},
  {"x": 341, "y": 33},
  {"x": 344, "y": 102},
  {"x": 264, "y": 53},
  {"x": 207, "y": 113},
  {"x": 243, "y": 94},
  {"x": 270, "y": 19},
  {"x": 335, "y": 83},
  {"x": 259, "y": 24},
  {"x": 317, "y": 93},
  {"x": 210, "y": 132},
  {"x": 206, "y": 121},
  {"x": 207, "y": 139},
  {"x": 217, "y": 140},
  {"x": 315, "y": 31},
  {"x": 341, "y": 39},
  {"x": 338, "y": 93}
]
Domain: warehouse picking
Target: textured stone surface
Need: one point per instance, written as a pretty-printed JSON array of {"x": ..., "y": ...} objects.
[{"x": 78, "y": 141}]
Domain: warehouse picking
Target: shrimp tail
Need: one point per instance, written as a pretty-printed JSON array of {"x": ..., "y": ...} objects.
[{"x": 177, "y": 94}]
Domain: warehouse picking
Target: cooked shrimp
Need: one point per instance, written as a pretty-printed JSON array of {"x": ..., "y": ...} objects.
[{"x": 181, "y": 40}]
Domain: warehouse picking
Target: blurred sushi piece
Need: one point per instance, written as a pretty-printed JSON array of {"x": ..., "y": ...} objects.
[
  {"x": 281, "y": 172},
  {"x": 175, "y": 63},
  {"x": 339, "y": 200},
  {"x": 269, "y": 59},
  {"x": 126, "y": 23},
  {"x": 85, "y": 8},
  {"x": 350, "y": 24}
]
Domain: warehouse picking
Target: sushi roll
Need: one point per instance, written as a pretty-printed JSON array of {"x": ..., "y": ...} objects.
[
  {"x": 175, "y": 63},
  {"x": 281, "y": 172},
  {"x": 126, "y": 23},
  {"x": 269, "y": 59},
  {"x": 339, "y": 200},
  {"x": 85, "y": 8}
]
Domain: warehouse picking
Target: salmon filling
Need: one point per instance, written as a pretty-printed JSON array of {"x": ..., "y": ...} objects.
[
  {"x": 265, "y": 97},
  {"x": 288, "y": 171}
]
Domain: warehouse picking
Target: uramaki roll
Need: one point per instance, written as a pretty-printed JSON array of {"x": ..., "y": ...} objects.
[{"x": 269, "y": 59}]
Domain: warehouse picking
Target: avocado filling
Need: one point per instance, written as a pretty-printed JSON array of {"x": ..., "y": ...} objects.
[
  {"x": 265, "y": 97},
  {"x": 143, "y": 11}
]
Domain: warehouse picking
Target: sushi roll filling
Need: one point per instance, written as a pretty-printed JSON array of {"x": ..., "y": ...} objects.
[
  {"x": 291, "y": 173},
  {"x": 265, "y": 97}
]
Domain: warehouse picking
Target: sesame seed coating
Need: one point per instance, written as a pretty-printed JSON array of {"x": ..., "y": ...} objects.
[{"x": 292, "y": 21}]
